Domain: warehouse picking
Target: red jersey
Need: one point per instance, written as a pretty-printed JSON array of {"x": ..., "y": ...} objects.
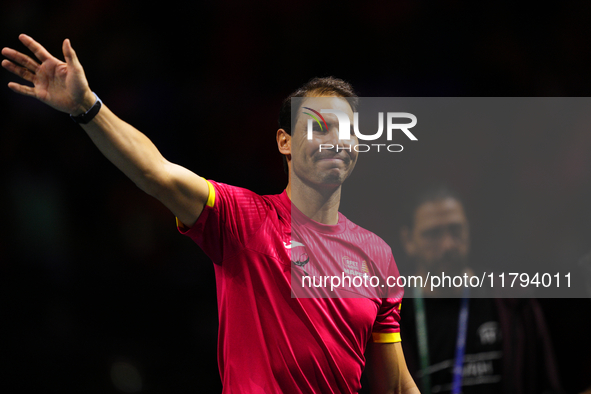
[{"x": 269, "y": 341}]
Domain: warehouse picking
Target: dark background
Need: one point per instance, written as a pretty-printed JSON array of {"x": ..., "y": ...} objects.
[{"x": 93, "y": 272}]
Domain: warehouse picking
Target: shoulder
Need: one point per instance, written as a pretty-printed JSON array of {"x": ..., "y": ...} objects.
[
  {"x": 224, "y": 193},
  {"x": 223, "y": 190},
  {"x": 239, "y": 200}
]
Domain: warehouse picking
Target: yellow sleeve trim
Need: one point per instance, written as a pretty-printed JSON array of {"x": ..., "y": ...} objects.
[
  {"x": 210, "y": 202},
  {"x": 385, "y": 337},
  {"x": 211, "y": 197}
]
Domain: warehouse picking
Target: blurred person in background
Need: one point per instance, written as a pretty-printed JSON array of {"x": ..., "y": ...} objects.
[
  {"x": 454, "y": 343},
  {"x": 268, "y": 341}
]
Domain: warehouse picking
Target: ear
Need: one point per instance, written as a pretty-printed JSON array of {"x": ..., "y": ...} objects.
[
  {"x": 407, "y": 242},
  {"x": 284, "y": 143}
]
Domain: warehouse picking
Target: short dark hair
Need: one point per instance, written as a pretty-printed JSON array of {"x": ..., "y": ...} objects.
[
  {"x": 329, "y": 86},
  {"x": 434, "y": 192}
]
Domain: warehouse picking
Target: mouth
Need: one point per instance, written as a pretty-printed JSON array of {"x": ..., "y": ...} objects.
[
  {"x": 334, "y": 158},
  {"x": 333, "y": 162}
]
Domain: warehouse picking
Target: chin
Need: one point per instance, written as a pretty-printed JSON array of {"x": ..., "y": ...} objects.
[
  {"x": 329, "y": 184},
  {"x": 334, "y": 179}
]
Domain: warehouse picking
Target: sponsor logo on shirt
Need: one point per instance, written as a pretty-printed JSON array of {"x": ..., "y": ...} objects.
[{"x": 351, "y": 267}]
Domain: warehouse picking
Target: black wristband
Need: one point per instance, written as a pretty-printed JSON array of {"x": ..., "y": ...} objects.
[{"x": 90, "y": 114}]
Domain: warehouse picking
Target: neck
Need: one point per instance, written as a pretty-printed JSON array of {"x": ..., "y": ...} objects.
[{"x": 319, "y": 204}]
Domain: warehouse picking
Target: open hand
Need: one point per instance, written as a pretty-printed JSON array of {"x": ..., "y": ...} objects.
[{"x": 60, "y": 85}]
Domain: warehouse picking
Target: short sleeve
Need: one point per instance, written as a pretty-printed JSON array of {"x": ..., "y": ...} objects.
[
  {"x": 386, "y": 328},
  {"x": 231, "y": 216}
]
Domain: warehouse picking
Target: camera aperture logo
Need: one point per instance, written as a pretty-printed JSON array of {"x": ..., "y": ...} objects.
[
  {"x": 316, "y": 119},
  {"x": 345, "y": 129}
]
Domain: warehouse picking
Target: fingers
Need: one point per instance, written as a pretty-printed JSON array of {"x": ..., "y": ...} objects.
[
  {"x": 22, "y": 89},
  {"x": 20, "y": 59},
  {"x": 41, "y": 53},
  {"x": 20, "y": 71},
  {"x": 70, "y": 54}
]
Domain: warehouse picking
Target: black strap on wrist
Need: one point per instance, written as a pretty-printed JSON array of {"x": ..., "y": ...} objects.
[{"x": 90, "y": 114}]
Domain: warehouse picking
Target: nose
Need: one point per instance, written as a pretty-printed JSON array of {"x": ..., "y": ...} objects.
[
  {"x": 335, "y": 139},
  {"x": 448, "y": 242}
]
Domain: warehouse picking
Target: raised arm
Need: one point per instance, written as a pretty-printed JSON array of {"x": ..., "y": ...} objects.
[{"x": 63, "y": 86}]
